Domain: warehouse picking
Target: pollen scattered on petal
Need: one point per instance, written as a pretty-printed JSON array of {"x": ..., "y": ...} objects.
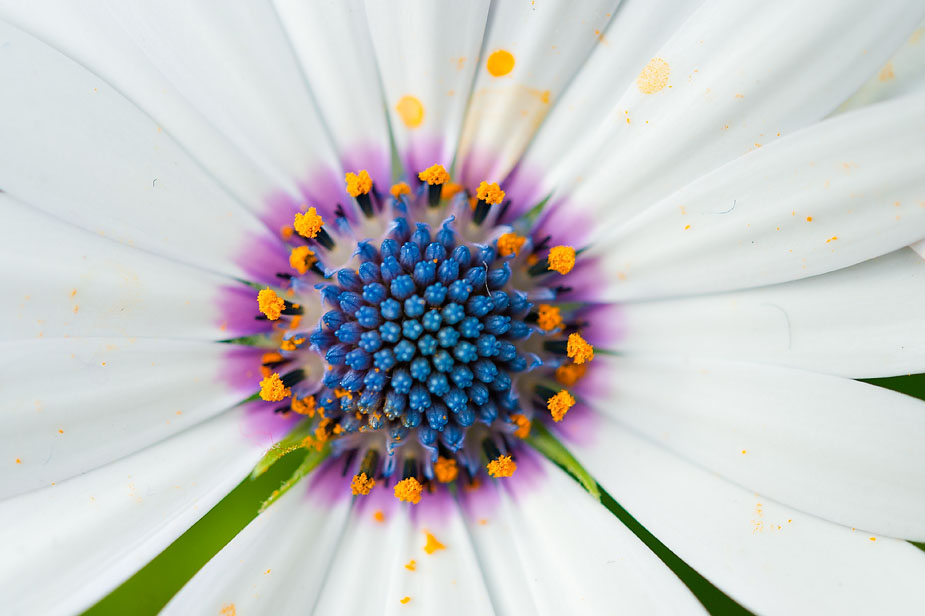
[
  {"x": 273, "y": 390},
  {"x": 270, "y": 303},
  {"x": 500, "y": 63},
  {"x": 432, "y": 544},
  {"x": 561, "y": 259},
  {"x": 502, "y": 466},
  {"x": 654, "y": 77},
  {"x": 490, "y": 193},
  {"x": 410, "y": 110},
  {"x": 445, "y": 469},
  {"x": 301, "y": 258},
  {"x": 286, "y": 232},
  {"x": 358, "y": 183},
  {"x": 228, "y": 610},
  {"x": 409, "y": 490},
  {"x": 433, "y": 175},
  {"x": 379, "y": 516},
  {"x": 523, "y": 425},
  {"x": 510, "y": 244},
  {"x": 400, "y": 189},
  {"x": 548, "y": 317},
  {"x": 559, "y": 405},
  {"x": 450, "y": 190},
  {"x": 361, "y": 484},
  {"x": 304, "y": 406},
  {"x": 411, "y": 565},
  {"x": 308, "y": 224},
  {"x": 404, "y": 600},
  {"x": 579, "y": 349}
]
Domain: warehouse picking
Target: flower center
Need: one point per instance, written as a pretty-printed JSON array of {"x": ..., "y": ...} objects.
[{"x": 433, "y": 369}]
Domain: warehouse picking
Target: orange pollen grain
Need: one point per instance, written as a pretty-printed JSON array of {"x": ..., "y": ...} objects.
[
  {"x": 569, "y": 374},
  {"x": 270, "y": 303},
  {"x": 410, "y": 110},
  {"x": 490, "y": 193},
  {"x": 361, "y": 484},
  {"x": 412, "y": 565},
  {"x": 809, "y": 219},
  {"x": 559, "y": 405},
  {"x": 579, "y": 349},
  {"x": 450, "y": 190},
  {"x": 409, "y": 490},
  {"x": 500, "y": 63},
  {"x": 291, "y": 344},
  {"x": 445, "y": 469},
  {"x": 434, "y": 175},
  {"x": 286, "y": 232},
  {"x": 522, "y": 423},
  {"x": 510, "y": 244},
  {"x": 273, "y": 390},
  {"x": 502, "y": 466},
  {"x": 379, "y": 516},
  {"x": 404, "y": 600},
  {"x": 301, "y": 258},
  {"x": 400, "y": 189},
  {"x": 561, "y": 259},
  {"x": 308, "y": 224},
  {"x": 548, "y": 317},
  {"x": 305, "y": 406},
  {"x": 432, "y": 544},
  {"x": 358, "y": 183}
]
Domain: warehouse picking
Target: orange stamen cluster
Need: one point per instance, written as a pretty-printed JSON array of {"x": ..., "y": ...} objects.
[
  {"x": 308, "y": 224},
  {"x": 301, "y": 258},
  {"x": 561, "y": 259},
  {"x": 273, "y": 390},
  {"x": 523, "y": 425},
  {"x": 502, "y": 466},
  {"x": 434, "y": 175},
  {"x": 510, "y": 244},
  {"x": 400, "y": 189},
  {"x": 548, "y": 317},
  {"x": 490, "y": 193},
  {"x": 270, "y": 304},
  {"x": 409, "y": 490},
  {"x": 569, "y": 374},
  {"x": 579, "y": 349},
  {"x": 559, "y": 405},
  {"x": 445, "y": 469},
  {"x": 361, "y": 484},
  {"x": 358, "y": 183}
]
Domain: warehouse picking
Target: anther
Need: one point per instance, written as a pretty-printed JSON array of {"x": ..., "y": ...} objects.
[
  {"x": 302, "y": 258},
  {"x": 445, "y": 469},
  {"x": 559, "y": 405},
  {"x": 548, "y": 317},
  {"x": 409, "y": 490},
  {"x": 361, "y": 484},
  {"x": 578, "y": 349},
  {"x": 561, "y": 259},
  {"x": 309, "y": 224},
  {"x": 400, "y": 189},
  {"x": 487, "y": 195},
  {"x": 569, "y": 374},
  {"x": 272, "y": 389},
  {"x": 502, "y": 466},
  {"x": 270, "y": 304},
  {"x": 435, "y": 176},
  {"x": 510, "y": 244},
  {"x": 359, "y": 186},
  {"x": 522, "y": 423}
]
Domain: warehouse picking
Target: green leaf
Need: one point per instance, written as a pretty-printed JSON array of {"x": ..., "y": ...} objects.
[
  {"x": 291, "y": 442},
  {"x": 312, "y": 460},
  {"x": 543, "y": 441}
]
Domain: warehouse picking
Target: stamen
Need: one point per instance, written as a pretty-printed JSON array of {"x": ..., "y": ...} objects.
[
  {"x": 301, "y": 258},
  {"x": 522, "y": 423},
  {"x": 358, "y": 187},
  {"x": 450, "y": 190},
  {"x": 304, "y": 406},
  {"x": 569, "y": 374},
  {"x": 435, "y": 176},
  {"x": 409, "y": 490},
  {"x": 361, "y": 484},
  {"x": 400, "y": 189},
  {"x": 579, "y": 349},
  {"x": 559, "y": 405},
  {"x": 445, "y": 469},
  {"x": 308, "y": 224},
  {"x": 548, "y": 317},
  {"x": 270, "y": 303},
  {"x": 510, "y": 244},
  {"x": 502, "y": 466},
  {"x": 272, "y": 389},
  {"x": 490, "y": 193},
  {"x": 291, "y": 344},
  {"x": 561, "y": 259}
]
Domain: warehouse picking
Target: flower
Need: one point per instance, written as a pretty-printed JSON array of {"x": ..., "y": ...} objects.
[{"x": 729, "y": 242}]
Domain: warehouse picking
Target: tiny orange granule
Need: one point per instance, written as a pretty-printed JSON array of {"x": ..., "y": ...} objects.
[
  {"x": 404, "y": 600},
  {"x": 434, "y": 175},
  {"x": 432, "y": 544},
  {"x": 309, "y": 223},
  {"x": 301, "y": 258},
  {"x": 228, "y": 610},
  {"x": 559, "y": 404},
  {"x": 273, "y": 390},
  {"x": 379, "y": 516},
  {"x": 548, "y": 317},
  {"x": 412, "y": 565},
  {"x": 490, "y": 193},
  {"x": 270, "y": 303},
  {"x": 579, "y": 349},
  {"x": 522, "y": 423},
  {"x": 358, "y": 183},
  {"x": 291, "y": 344},
  {"x": 409, "y": 490},
  {"x": 305, "y": 406},
  {"x": 561, "y": 259},
  {"x": 510, "y": 244},
  {"x": 361, "y": 484},
  {"x": 445, "y": 469},
  {"x": 569, "y": 374},
  {"x": 502, "y": 466},
  {"x": 321, "y": 432},
  {"x": 400, "y": 189},
  {"x": 450, "y": 190},
  {"x": 267, "y": 360},
  {"x": 286, "y": 232}
]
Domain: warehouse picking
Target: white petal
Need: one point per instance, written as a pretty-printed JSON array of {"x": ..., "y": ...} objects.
[
  {"x": 77, "y": 149},
  {"x": 840, "y": 449},
  {"x": 332, "y": 43},
  {"x": 919, "y": 248},
  {"x": 73, "y": 404},
  {"x": 838, "y": 193},
  {"x": 69, "y": 544},
  {"x": 428, "y": 52},
  {"x": 728, "y": 82},
  {"x": 276, "y": 565},
  {"x": 903, "y": 73},
  {"x": 545, "y": 539},
  {"x": 549, "y": 41},
  {"x": 76, "y": 283},
  {"x": 861, "y": 321},
  {"x": 770, "y": 558}
]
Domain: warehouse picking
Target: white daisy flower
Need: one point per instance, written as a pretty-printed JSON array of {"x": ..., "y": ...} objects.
[{"x": 650, "y": 245}]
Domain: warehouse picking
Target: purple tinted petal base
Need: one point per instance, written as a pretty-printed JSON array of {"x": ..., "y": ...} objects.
[
  {"x": 421, "y": 152},
  {"x": 262, "y": 425},
  {"x": 242, "y": 369},
  {"x": 261, "y": 256},
  {"x": 237, "y": 311}
]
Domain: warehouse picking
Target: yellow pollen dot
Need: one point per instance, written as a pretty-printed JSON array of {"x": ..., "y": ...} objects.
[
  {"x": 379, "y": 516},
  {"x": 500, "y": 63},
  {"x": 809, "y": 219},
  {"x": 271, "y": 358},
  {"x": 273, "y": 390},
  {"x": 579, "y": 349},
  {"x": 400, "y": 189},
  {"x": 358, "y": 183},
  {"x": 410, "y": 110},
  {"x": 490, "y": 193},
  {"x": 291, "y": 344},
  {"x": 510, "y": 244},
  {"x": 548, "y": 317},
  {"x": 450, "y": 190},
  {"x": 445, "y": 469},
  {"x": 404, "y": 600},
  {"x": 301, "y": 258},
  {"x": 654, "y": 76},
  {"x": 270, "y": 303},
  {"x": 502, "y": 466},
  {"x": 361, "y": 484},
  {"x": 561, "y": 259},
  {"x": 409, "y": 490},
  {"x": 286, "y": 232},
  {"x": 559, "y": 405},
  {"x": 305, "y": 406},
  {"x": 309, "y": 223},
  {"x": 432, "y": 544},
  {"x": 435, "y": 174},
  {"x": 873, "y": 538},
  {"x": 412, "y": 565},
  {"x": 523, "y": 425}
]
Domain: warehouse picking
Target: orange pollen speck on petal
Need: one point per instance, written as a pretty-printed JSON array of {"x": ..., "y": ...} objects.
[
  {"x": 502, "y": 466},
  {"x": 404, "y": 600},
  {"x": 358, "y": 183},
  {"x": 579, "y": 349},
  {"x": 308, "y": 224},
  {"x": 433, "y": 175},
  {"x": 301, "y": 258},
  {"x": 654, "y": 76},
  {"x": 400, "y": 189},
  {"x": 409, "y": 490},
  {"x": 379, "y": 516},
  {"x": 559, "y": 405},
  {"x": 548, "y": 317},
  {"x": 490, "y": 193},
  {"x": 510, "y": 244},
  {"x": 561, "y": 259},
  {"x": 361, "y": 484},
  {"x": 500, "y": 63},
  {"x": 286, "y": 232},
  {"x": 273, "y": 390},
  {"x": 450, "y": 190},
  {"x": 410, "y": 110},
  {"x": 569, "y": 374},
  {"x": 270, "y": 303},
  {"x": 432, "y": 544},
  {"x": 305, "y": 406},
  {"x": 445, "y": 469},
  {"x": 522, "y": 423}
]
